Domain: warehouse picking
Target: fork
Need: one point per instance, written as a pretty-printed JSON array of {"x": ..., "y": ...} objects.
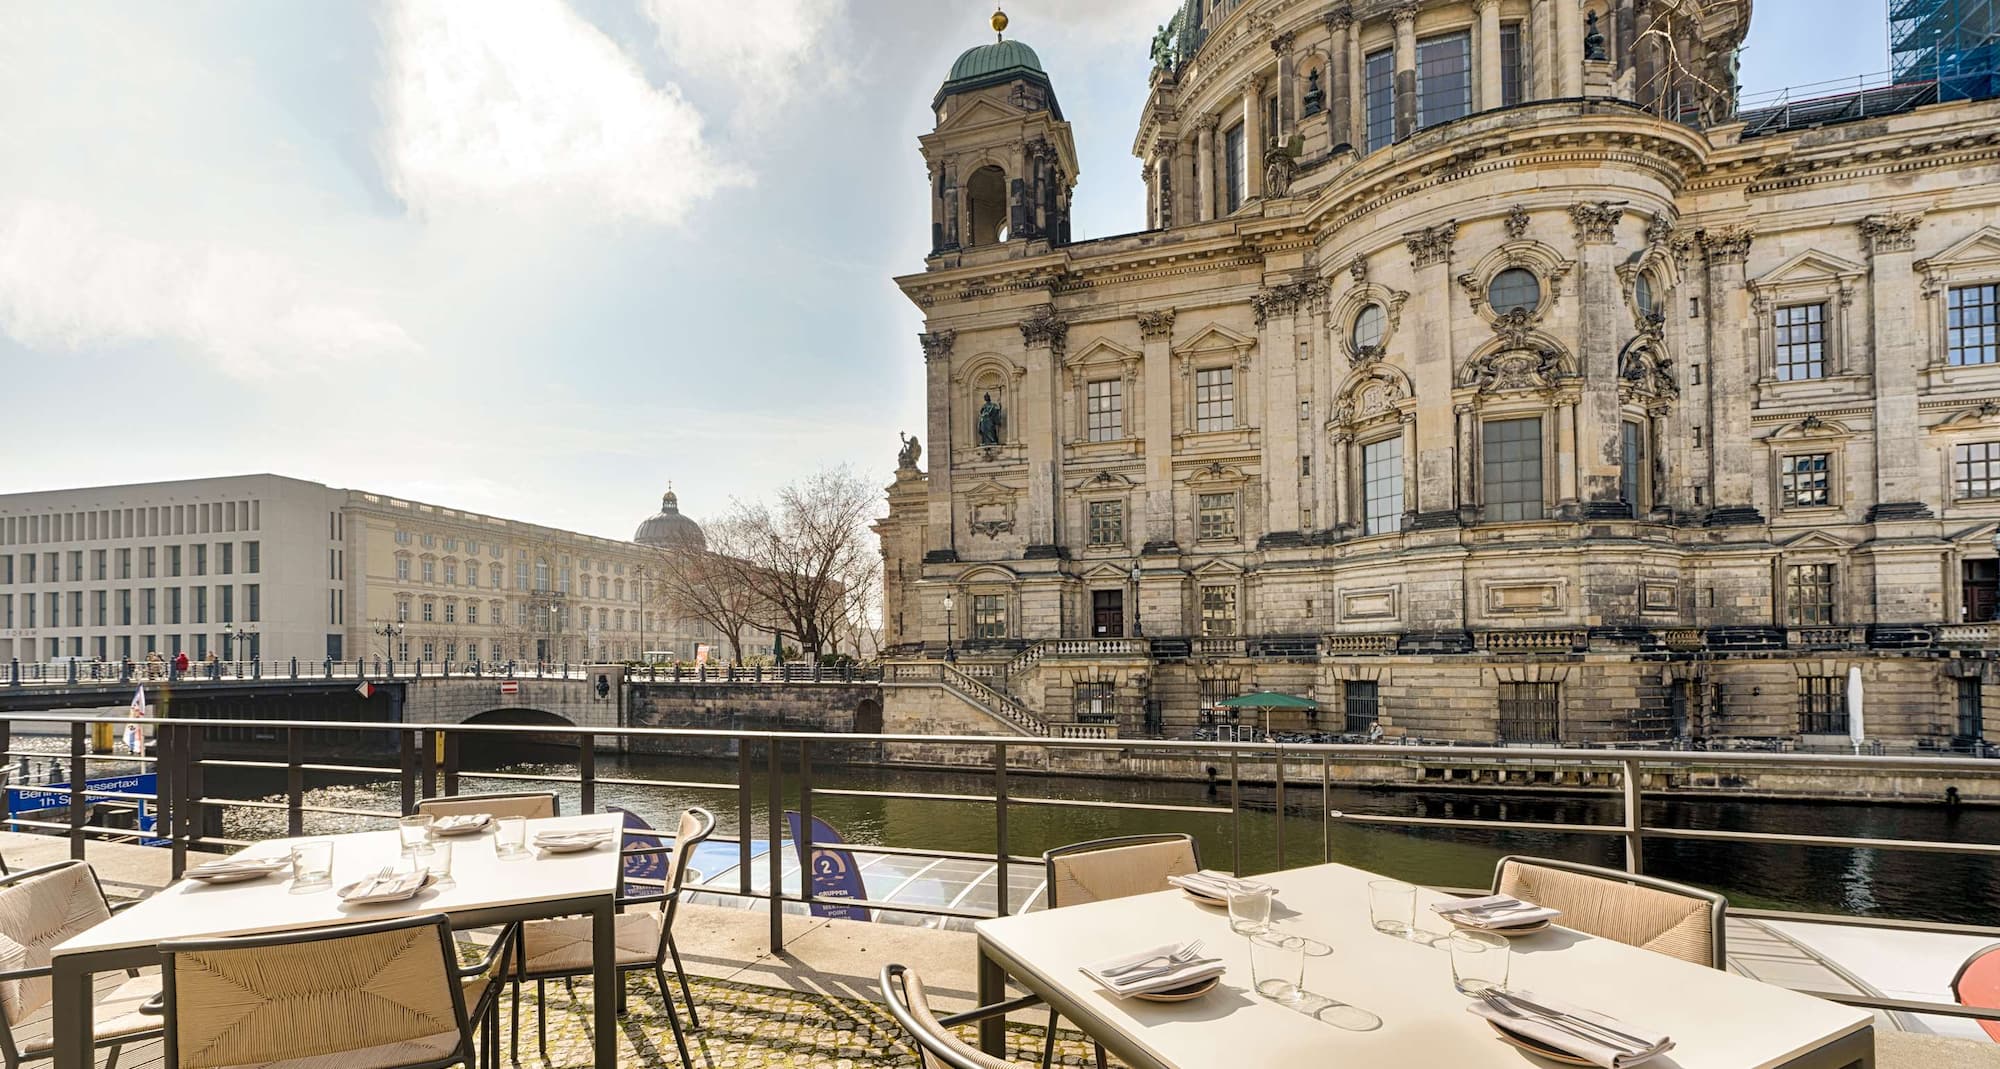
[
  {"x": 1179, "y": 957},
  {"x": 1575, "y": 1026}
]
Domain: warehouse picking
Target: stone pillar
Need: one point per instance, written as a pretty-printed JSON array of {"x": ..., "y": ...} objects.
[
  {"x": 1185, "y": 182},
  {"x": 1341, "y": 460},
  {"x": 1282, "y": 46},
  {"x": 1149, "y": 176},
  {"x": 1899, "y": 352},
  {"x": 1204, "y": 160},
  {"x": 1406, "y": 69},
  {"x": 1466, "y": 432},
  {"x": 1489, "y": 54},
  {"x": 1043, "y": 335},
  {"x": 1436, "y": 468},
  {"x": 1567, "y": 460},
  {"x": 1253, "y": 138},
  {"x": 1276, "y": 309},
  {"x": 1542, "y": 46},
  {"x": 937, "y": 208},
  {"x": 1157, "y": 331},
  {"x": 1606, "y": 325},
  {"x": 1567, "y": 77},
  {"x": 940, "y": 542},
  {"x": 1020, "y": 219},
  {"x": 1357, "y": 96},
  {"x": 1339, "y": 97},
  {"x": 1732, "y": 363}
]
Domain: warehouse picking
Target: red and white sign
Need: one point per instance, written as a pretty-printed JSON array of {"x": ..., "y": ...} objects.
[{"x": 510, "y": 686}]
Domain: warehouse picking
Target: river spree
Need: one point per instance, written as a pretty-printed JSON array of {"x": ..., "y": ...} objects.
[{"x": 1820, "y": 879}]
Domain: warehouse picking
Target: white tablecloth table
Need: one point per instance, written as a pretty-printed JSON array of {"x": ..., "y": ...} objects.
[
  {"x": 1382, "y": 1000},
  {"x": 488, "y": 890}
]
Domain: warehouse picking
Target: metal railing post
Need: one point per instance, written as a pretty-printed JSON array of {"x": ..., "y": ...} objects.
[
  {"x": 14, "y": 672},
  {"x": 805, "y": 845},
  {"x": 1635, "y": 845},
  {"x": 586, "y": 770},
  {"x": 775, "y": 855},
  {"x": 1326, "y": 808},
  {"x": 428, "y": 762},
  {"x": 744, "y": 827},
  {"x": 193, "y": 805},
  {"x": 78, "y": 780},
  {"x": 1279, "y": 807},
  {"x": 295, "y": 783},
  {"x": 1235, "y": 814},
  {"x": 406, "y": 773},
  {"x": 451, "y": 740},
  {"x": 295, "y": 668},
  {"x": 1001, "y": 850}
]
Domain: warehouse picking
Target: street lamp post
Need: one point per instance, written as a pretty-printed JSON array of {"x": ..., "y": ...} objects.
[
  {"x": 390, "y": 632},
  {"x": 235, "y": 637},
  {"x": 1136, "y": 630},
  {"x": 949, "y": 655}
]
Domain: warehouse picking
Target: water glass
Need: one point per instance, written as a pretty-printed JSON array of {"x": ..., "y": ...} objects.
[
  {"x": 415, "y": 831},
  {"x": 1392, "y": 907},
  {"x": 1250, "y": 911},
  {"x": 312, "y": 863},
  {"x": 510, "y": 836},
  {"x": 1478, "y": 962},
  {"x": 1278, "y": 965},
  {"x": 438, "y": 863}
]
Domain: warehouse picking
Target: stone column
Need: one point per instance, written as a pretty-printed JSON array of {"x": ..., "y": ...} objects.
[
  {"x": 1043, "y": 335},
  {"x": 1542, "y": 46},
  {"x": 937, "y": 208},
  {"x": 1567, "y": 461},
  {"x": 1341, "y": 460},
  {"x": 1406, "y": 69},
  {"x": 1157, "y": 331},
  {"x": 1282, "y": 46},
  {"x": 1899, "y": 353},
  {"x": 1466, "y": 432},
  {"x": 1732, "y": 364},
  {"x": 1020, "y": 218},
  {"x": 1148, "y": 176},
  {"x": 1606, "y": 325},
  {"x": 1276, "y": 310},
  {"x": 1567, "y": 78},
  {"x": 1185, "y": 182},
  {"x": 1253, "y": 138},
  {"x": 1166, "y": 155},
  {"x": 1339, "y": 97},
  {"x": 940, "y": 541},
  {"x": 1489, "y": 54},
  {"x": 1436, "y": 469},
  {"x": 1357, "y": 96}
]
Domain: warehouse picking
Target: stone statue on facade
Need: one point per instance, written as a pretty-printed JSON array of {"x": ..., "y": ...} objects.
[
  {"x": 906, "y": 458},
  {"x": 1593, "y": 41},
  {"x": 1315, "y": 99},
  {"x": 989, "y": 422},
  {"x": 1163, "y": 48}
]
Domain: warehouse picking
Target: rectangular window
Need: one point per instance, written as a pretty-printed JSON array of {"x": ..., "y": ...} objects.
[
  {"x": 403, "y": 569},
  {"x": 1809, "y": 594},
  {"x": 1236, "y": 158},
  {"x": 1379, "y": 92},
  {"x": 228, "y": 554},
  {"x": 430, "y": 571},
  {"x": 1972, "y": 325},
  {"x": 430, "y": 648},
  {"x": 1104, "y": 410},
  {"x": 1107, "y": 523},
  {"x": 1510, "y": 64},
  {"x": 471, "y": 612},
  {"x": 225, "y": 603},
  {"x": 1364, "y": 705},
  {"x": 1531, "y": 712},
  {"x": 1215, "y": 399},
  {"x": 1801, "y": 342},
  {"x": 1215, "y": 516},
  {"x": 1218, "y": 611},
  {"x": 149, "y": 606},
  {"x": 1822, "y": 705},
  {"x": 1513, "y": 469},
  {"x": 173, "y": 604},
  {"x": 125, "y": 608},
  {"x": 252, "y": 557},
  {"x": 124, "y": 564},
  {"x": 200, "y": 604},
  {"x": 1971, "y": 710},
  {"x": 152, "y": 562},
  {"x": 173, "y": 560},
  {"x": 1802, "y": 481},
  {"x": 1632, "y": 467},
  {"x": 450, "y": 572},
  {"x": 253, "y": 602},
  {"x": 1382, "y": 486},
  {"x": 430, "y": 611},
  {"x": 1975, "y": 470},
  {"x": 1444, "y": 79},
  {"x": 99, "y": 568},
  {"x": 1980, "y": 590},
  {"x": 989, "y": 616},
  {"x": 451, "y": 612},
  {"x": 200, "y": 552},
  {"x": 101, "y": 605}
]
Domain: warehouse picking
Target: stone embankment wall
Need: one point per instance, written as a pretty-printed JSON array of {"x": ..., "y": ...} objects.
[{"x": 829, "y": 708}]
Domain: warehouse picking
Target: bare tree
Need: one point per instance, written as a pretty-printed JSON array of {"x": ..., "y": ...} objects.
[
  {"x": 689, "y": 581},
  {"x": 810, "y": 555}
]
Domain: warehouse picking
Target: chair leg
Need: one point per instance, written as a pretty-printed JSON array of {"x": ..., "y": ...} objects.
[
  {"x": 542, "y": 1018},
  {"x": 514, "y": 1024},
  {"x": 1100, "y": 1055},
  {"x": 687, "y": 996},
  {"x": 674, "y": 1018},
  {"x": 1049, "y": 1041},
  {"x": 111, "y": 1062}
]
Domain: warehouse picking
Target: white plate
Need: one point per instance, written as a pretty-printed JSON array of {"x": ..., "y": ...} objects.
[
  {"x": 239, "y": 872},
  {"x": 393, "y": 896},
  {"x": 466, "y": 824}
]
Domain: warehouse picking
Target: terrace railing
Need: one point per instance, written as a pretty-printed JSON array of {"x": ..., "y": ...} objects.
[{"x": 78, "y": 672}]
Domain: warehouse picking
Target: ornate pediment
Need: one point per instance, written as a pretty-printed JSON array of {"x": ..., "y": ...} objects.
[
  {"x": 977, "y": 111},
  {"x": 1811, "y": 265},
  {"x": 1212, "y": 338},
  {"x": 1101, "y": 350},
  {"x": 1370, "y": 393},
  {"x": 1217, "y": 568},
  {"x": 1216, "y": 472},
  {"x": 1810, "y": 428},
  {"x": 1983, "y": 414},
  {"x": 1103, "y": 481},
  {"x": 1821, "y": 540},
  {"x": 1645, "y": 371},
  {"x": 1508, "y": 369}
]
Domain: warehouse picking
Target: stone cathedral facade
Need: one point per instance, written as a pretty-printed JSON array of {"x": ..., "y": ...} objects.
[{"x": 1481, "y": 373}]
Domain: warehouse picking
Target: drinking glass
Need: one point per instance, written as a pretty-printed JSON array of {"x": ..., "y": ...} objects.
[
  {"x": 415, "y": 832},
  {"x": 1249, "y": 911},
  {"x": 1478, "y": 962},
  {"x": 312, "y": 863},
  {"x": 1392, "y": 907},
  {"x": 1277, "y": 965},
  {"x": 438, "y": 864},
  {"x": 510, "y": 836}
]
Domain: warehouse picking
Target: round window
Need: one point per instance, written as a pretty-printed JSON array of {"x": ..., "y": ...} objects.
[
  {"x": 1368, "y": 327},
  {"x": 1642, "y": 294},
  {"x": 1515, "y": 289}
]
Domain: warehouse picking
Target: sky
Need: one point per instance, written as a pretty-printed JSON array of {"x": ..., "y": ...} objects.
[{"x": 535, "y": 258}]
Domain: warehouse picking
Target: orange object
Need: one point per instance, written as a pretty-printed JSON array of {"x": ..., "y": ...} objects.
[{"x": 1978, "y": 985}]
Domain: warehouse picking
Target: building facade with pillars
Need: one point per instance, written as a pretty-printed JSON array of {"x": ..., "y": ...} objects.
[{"x": 1482, "y": 373}]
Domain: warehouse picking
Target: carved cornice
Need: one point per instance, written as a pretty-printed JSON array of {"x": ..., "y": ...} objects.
[
  {"x": 1045, "y": 328},
  {"x": 1596, "y": 224},
  {"x": 1158, "y": 324},
  {"x": 1891, "y": 231},
  {"x": 937, "y": 344},
  {"x": 1431, "y": 245},
  {"x": 1285, "y": 299},
  {"x": 1725, "y": 244},
  {"x": 1339, "y": 19}
]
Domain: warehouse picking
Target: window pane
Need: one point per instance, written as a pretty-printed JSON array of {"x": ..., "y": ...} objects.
[
  {"x": 1516, "y": 288},
  {"x": 1215, "y": 399},
  {"x": 1380, "y": 94},
  {"x": 1107, "y": 523},
  {"x": 1216, "y": 516},
  {"x": 1822, "y": 705},
  {"x": 1513, "y": 469},
  {"x": 1510, "y": 64},
  {"x": 1218, "y": 610},
  {"x": 1972, "y": 325},
  {"x": 989, "y": 616},
  {"x": 1382, "y": 486},
  {"x": 1802, "y": 481},
  {"x": 1104, "y": 410},
  {"x": 1801, "y": 342},
  {"x": 1368, "y": 326},
  {"x": 1631, "y": 466},
  {"x": 1809, "y": 594},
  {"x": 1976, "y": 469},
  {"x": 1444, "y": 79},
  {"x": 1234, "y": 149}
]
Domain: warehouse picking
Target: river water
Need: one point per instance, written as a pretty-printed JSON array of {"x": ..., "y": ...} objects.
[{"x": 1820, "y": 879}]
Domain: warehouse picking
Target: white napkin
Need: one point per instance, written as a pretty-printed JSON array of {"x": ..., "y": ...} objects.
[
  {"x": 570, "y": 838},
  {"x": 1539, "y": 1013},
  {"x": 1494, "y": 911},
  {"x": 1150, "y": 979},
  {"x": 385, "y": 886},
  {"x": 228, "y": 865},
  {"x": 1210, "y": 884},
  {"x": 459, "y": 822}
]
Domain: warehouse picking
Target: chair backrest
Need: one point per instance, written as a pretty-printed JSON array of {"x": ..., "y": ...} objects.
[
  {"x": 696, "y": 825},
  {"x": 39, "y": 908},
  {"x": 937, "y": 1047},
  {"x": 1642, "y": 911},
  {"x": 1117, "y": 868},
  {"x": 531, "y": 804},
  {"x": 388, "y": 988}
]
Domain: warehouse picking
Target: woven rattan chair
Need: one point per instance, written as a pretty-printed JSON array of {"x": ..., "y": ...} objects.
[
  {"x": 39, "y": 908},
  {"x": 1642, "y": 911},
  {"x": 937, "y": 1047},
  {"x": 534, "y": 805},
  {"x": 1105, "y": 869},
  {"x": 383, "y": 995},
  {"x": 561, "y": 949}
]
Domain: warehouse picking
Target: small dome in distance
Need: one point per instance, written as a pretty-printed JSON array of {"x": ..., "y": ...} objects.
[{"x": 668, "y": 528}]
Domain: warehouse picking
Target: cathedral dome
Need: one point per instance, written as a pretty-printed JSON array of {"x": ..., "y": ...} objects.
[
  {"x": 669, "y": 528},
  {"x": 985, "y": 62}
]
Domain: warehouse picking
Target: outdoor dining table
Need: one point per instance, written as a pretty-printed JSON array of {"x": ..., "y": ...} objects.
[
  {"x": 487, "y": 889},
  {"x": 1376, "y": 999}
]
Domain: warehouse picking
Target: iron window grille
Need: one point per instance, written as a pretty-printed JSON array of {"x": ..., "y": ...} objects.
[
  {"x": 1531, "y": 712},
  {"x": 1363, "y": 704},
  {"x": 1822, "y": 705}
]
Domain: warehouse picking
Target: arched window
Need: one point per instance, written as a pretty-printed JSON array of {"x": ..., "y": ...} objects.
[
  {"x": 986, "y": 202},
  {"x": 1642, "y": 293},
  {"x": 1515, "y": 289},
  {"x": 1368, "y": 326}
]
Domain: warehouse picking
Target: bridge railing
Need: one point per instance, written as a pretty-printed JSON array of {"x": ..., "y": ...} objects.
[
  {"x": 765, "y": 772},
  {"x": 78, "y": 672}
]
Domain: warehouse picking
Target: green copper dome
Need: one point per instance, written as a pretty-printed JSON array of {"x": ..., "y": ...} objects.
[{"x": 981, "y": 63}]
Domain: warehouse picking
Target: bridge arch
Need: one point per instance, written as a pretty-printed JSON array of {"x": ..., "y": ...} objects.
[{"x": 480, "y": 750}]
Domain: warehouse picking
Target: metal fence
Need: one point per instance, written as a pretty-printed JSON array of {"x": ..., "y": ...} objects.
[
  {"x": 428, "y": 765},
  {"x": 78, "y": 672}
]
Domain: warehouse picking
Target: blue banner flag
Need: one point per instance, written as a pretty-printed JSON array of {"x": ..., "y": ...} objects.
[
  {"x": 834, "y": 873},
  {"x": 647, "y": 871}
]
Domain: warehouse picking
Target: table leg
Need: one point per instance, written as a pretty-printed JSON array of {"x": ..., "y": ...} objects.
[
  {"x": 992, "y": 989},
  {"x": 1856, "y": 1050},
  {"x": 604, "y": 980},
  {"x": 71, "y": 1024}
]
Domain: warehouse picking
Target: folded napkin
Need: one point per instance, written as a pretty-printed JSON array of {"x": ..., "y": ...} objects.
[
  {"x": 1494, "y": 911},
  {"x": 382, "y": 886},
  {"x": 1210, "y": 884},
  {"x": 228, "y": 865},
  {"x": 1575, "y": 1030},
  {"x": 1161, "y": 976},
  {"x": 568, "y": 838},
  {"x": 459, "y": 822}
]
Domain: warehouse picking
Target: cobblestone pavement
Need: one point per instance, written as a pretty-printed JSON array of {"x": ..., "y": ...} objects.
[{"x": 748, "y": 1027}]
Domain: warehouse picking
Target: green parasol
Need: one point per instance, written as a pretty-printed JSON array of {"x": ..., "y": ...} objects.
[{"x": 1268, "y": 699}]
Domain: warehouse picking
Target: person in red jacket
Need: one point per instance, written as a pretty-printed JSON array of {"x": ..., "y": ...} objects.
[{"x": 181, "y": 662}]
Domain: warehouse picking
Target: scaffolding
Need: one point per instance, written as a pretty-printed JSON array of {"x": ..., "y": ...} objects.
[{"x": 1955, "y": 43}]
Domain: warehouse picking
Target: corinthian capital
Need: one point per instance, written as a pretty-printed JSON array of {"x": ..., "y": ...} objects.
[
  {"x": 1431, "y": 245},
  {"x": 1282, "y": 44},
  {"x": 1404, "y": 13},
  {"x": 1339, "y": 19},
  {"x": 1725, "y": 244},
  {"x": 937, "y": 344},
  {"x": 1044, "y": 327},
  {"x": 1891, "y": 231},
  {"x": 1596, "y": 224},
  {"x": 1158, "y": 324}
]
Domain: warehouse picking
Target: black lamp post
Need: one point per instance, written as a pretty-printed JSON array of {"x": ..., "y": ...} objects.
[
  {"x": 237, "y": 638},
  {"x": 390, "y": 632},
  {"x": 1137, "y": 630},
  {"x": 949, "y": 654}
]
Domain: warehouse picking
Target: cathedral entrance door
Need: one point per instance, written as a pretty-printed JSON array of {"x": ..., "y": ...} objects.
[{"x": 1107, "y": 614}]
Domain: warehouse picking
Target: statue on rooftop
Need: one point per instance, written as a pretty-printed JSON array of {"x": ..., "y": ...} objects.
[
  {"x": 1593, "y": 41},
  {"x": 906, "y": 458}
]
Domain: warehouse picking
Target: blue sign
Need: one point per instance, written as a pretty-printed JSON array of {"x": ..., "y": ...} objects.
[
  {"x": 648, "y": 870},
  {"x": 56, "y": 796},
  {"x": 834, "y": 873}
]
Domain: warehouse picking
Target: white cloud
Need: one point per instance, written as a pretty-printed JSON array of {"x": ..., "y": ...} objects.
[
  {"x": 767, "y": 50},
  {"x": 68, "y": 282},
  {"x": 527, "y": 106}
]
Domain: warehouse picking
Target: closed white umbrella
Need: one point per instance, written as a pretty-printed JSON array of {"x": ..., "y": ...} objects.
[{"x": 1856, "y": 730}]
